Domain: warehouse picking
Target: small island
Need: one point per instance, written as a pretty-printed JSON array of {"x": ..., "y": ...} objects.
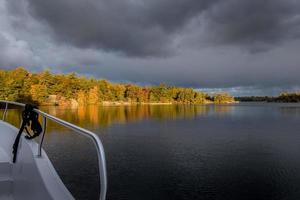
[{"x": 46, "y": 88}]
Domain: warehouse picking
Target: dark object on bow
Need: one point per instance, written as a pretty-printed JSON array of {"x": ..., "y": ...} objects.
[{"x": 29, "y": 119}]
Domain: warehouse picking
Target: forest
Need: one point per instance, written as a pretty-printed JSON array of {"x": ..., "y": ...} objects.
[
  {"x": 286, "y": 97},
  {"x": 46, "y": 88}
]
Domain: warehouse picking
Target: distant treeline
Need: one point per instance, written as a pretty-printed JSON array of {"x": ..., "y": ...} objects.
[
  {"x": 58, "y": 89},
  {"x": 287, "y": 97}
]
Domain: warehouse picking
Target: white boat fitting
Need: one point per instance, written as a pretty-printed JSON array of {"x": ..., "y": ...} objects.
[{"x": 32, "y": 176}]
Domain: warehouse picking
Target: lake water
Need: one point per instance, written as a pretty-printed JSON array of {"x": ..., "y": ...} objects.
[{"x": 226, "y": 152}]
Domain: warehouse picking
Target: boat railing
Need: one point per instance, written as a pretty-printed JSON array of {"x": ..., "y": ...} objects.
[{"x": 96, "y": 140}]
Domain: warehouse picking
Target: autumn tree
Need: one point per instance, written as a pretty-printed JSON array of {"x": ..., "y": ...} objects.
[
  {"x": 223, "y": 98},
  {"x": 49, "y": 88}
]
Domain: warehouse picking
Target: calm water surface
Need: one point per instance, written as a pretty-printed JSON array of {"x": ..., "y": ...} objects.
[{"x": 244, "y": 151}]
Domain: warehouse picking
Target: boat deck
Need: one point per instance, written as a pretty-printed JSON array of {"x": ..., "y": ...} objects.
[
  {"x": 6, "y": 181},
  {"x": 31, "y": 177}
]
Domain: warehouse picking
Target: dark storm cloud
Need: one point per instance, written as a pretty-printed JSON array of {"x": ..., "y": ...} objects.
[
  {"x": 256, "y": 24},
  {"x": 149, "y": 28},
  {"x": 136, "y": 28}
]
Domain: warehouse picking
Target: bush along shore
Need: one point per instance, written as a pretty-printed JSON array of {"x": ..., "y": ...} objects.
[{"x": 46, "y": 88}]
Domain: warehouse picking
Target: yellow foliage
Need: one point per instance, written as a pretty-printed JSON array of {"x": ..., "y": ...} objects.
[{"x": 93, "y": 97}]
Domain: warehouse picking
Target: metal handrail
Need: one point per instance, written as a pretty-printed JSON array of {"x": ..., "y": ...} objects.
[{"x": 96, "y": 140}]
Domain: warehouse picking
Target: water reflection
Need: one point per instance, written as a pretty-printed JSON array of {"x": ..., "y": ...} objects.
[
  {"x": 104, "y": 116},
  {"x": 292, "y": 111},
  {"x": 223, "y": 109}
]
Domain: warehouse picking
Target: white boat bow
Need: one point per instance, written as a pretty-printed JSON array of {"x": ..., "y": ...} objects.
[{"x": 33, "y": 177}]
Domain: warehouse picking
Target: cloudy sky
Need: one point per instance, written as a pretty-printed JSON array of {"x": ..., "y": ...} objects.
[{"x": 247, "y": 47}]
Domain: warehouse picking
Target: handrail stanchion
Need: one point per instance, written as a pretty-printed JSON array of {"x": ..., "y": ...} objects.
[
  {"x": 43, "y": 135},
  {"x": 4, "y": 113}
]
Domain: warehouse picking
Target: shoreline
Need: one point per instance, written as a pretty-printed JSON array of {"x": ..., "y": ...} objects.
[{"x": 107, "y": 103}]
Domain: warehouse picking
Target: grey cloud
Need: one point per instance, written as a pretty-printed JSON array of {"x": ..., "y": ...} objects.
[
  {"x": 255, "y": 24},
  {"x": 14, "y": 52},
  {"x": 150, "y": 28},
  {"x": 134, "y": 28}
]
